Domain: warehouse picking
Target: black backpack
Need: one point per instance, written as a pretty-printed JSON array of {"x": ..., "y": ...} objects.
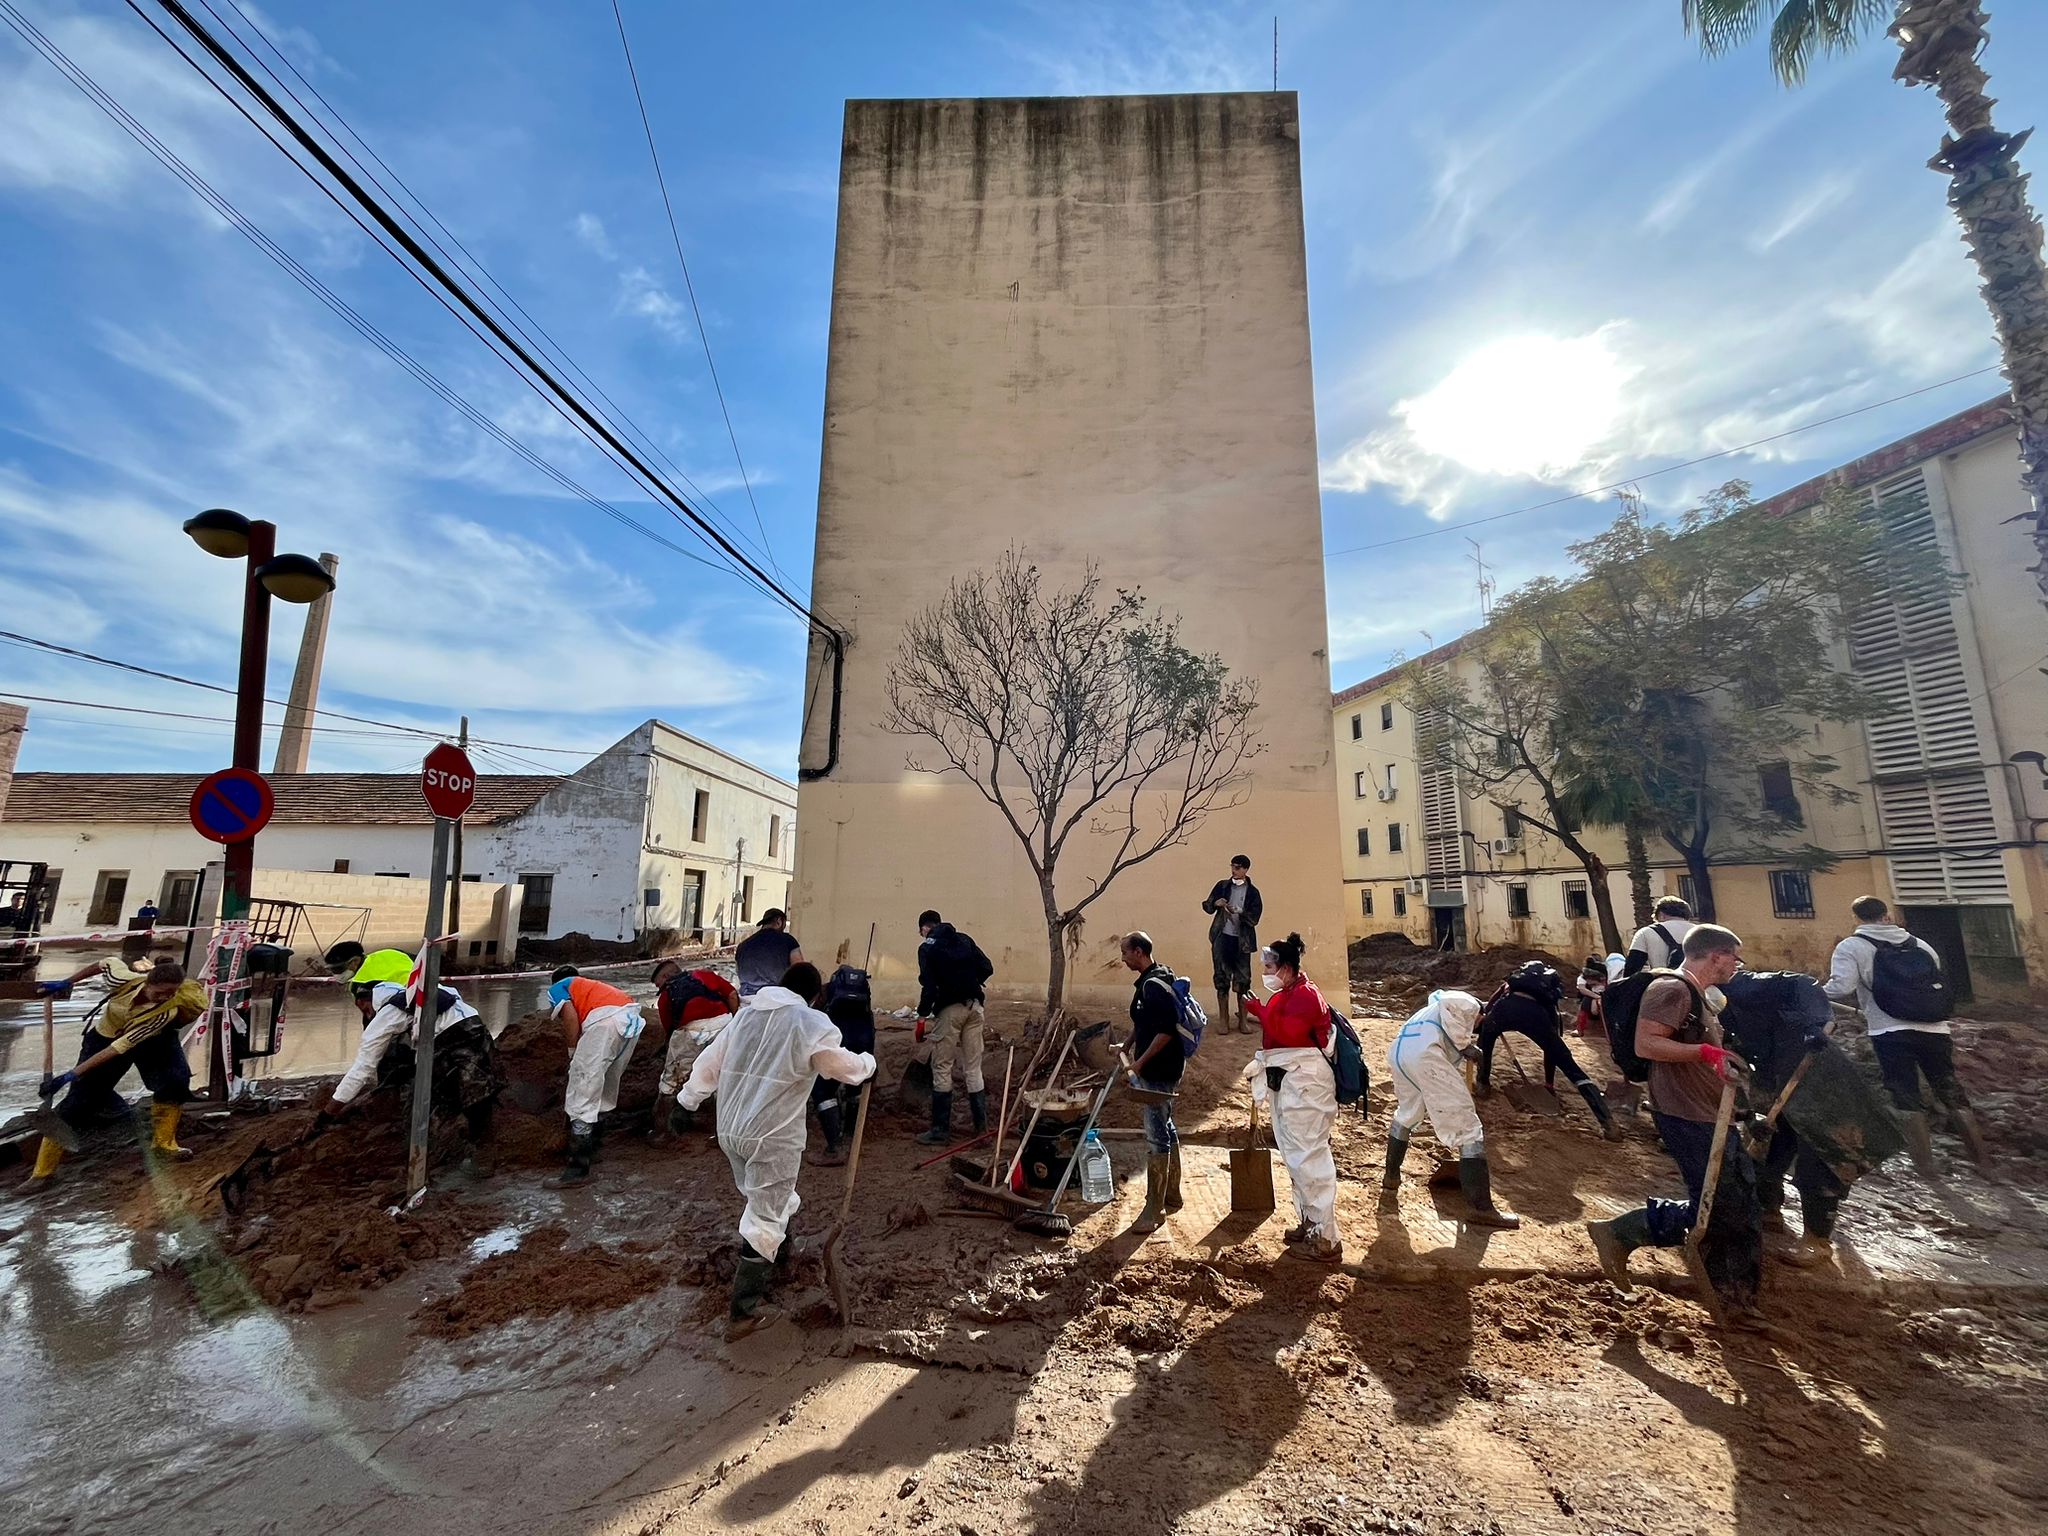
[
  {"x": 960, "y": 964},
  {"x": 1619, "y": 1007},
  {"x": 1537, "y": 980},
  {"x": 848, "y": 985},
  {"x": 1906, "y": 982},
  {"x": 686, "y": 989}
]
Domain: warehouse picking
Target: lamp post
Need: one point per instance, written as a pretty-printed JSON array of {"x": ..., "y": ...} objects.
[{"x": 294, "y": 579}]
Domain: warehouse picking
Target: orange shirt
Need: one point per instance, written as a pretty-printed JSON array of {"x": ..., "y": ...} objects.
[{"x": 587, "y": 996}]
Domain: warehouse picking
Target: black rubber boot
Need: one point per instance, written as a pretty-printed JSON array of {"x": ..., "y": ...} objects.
[
  {"x": 750, "y": 1282},
  {"x": 1390, "y": 1181},
  {"x": 1152, "y": 1217},
  {"x": 1597, "y": 1102},
  {"x": 977, "y": 1107},
  {"x": 1476, "y": 1180},
  {"x": 681, "y": 1121},
  {"x": 1919, "y": 1142},
  {"x": 941, "y": 1133},
  {"x": 577, "y": 1169},
  {"x": 832, "y": 1154},
  {"x": 1173, "y": 1199},
  {"x": 1973, "y": 1139},
  {"x": 1614, "y": 1241}
]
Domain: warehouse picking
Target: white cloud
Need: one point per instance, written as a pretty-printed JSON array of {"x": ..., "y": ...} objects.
[
  {"x": 642, "y": 296},
  {"x": 1138, "y": 50},
  {"x": 1803, "y": 208},
  {"x": 589, "y": 228}
]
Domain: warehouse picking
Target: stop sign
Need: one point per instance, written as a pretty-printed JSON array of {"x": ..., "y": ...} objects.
[{"x": 448, "y": 781}]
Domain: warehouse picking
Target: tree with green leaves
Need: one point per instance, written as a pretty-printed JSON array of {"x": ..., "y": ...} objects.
[
  {"x": 1939, "y": 42},
  {"x": 1072, "y": 712}
]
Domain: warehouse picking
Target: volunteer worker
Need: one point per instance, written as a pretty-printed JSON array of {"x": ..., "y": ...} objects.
[
  {"x": 1290, "y": 1068},
  {"x": 1428, "y": 1058},
  {"x": 601, "y": 1024}
]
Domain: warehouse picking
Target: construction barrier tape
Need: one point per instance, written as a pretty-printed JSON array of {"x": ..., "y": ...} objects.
[{"x": 104, "y": 936}]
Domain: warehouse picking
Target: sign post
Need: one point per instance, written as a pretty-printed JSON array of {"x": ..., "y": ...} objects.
[
  {"x": 230, "y": 807},
  {"x": 448, "y": 783}
]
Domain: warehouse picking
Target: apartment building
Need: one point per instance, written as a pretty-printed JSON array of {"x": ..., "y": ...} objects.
[{"x": 1948, "y": 792}]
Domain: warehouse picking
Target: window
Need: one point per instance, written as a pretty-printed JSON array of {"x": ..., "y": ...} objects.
[
  {"x": 109, "y": 896},
  {"x": 774, "y": 836},
  {"x": 1578, "y": 901},
  {"x": 1358, "y": 784},
  {"x": 1518, "y": 901},
  {"x": 747, "y": 899},
  {"x": 700, "y": 816},
  {"x": 1386, "y": 717},
  {"x": 179, "y": 890},
  {"x": 341, "y": 866},
  {"x": 394, "y": 874},
  {"x": 1390, "y": 778},
  {"x": 1364, "y": 842},
  {"x": 1400, "y": 903},
  {"x": 1504, "y": 751},
  {"x": 536, "y": 902},
  {"x": 1791, "y": 893},
  {"x": 1510, "y": 821},
  {"x": 1357, "y": 726},
  {"x": 1393, "y": 837},
  {"x": 1365, "y": 902},
  {"x": 1689, "y": 891},
  {"x": 52, "y": 878},
  {"x": 1780, "y": 796}
]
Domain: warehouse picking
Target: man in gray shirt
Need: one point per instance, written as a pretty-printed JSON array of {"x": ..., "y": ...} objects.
[{"x": 1234, "y": 907}]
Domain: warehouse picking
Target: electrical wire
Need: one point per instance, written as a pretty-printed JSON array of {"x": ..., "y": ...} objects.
[
  {"x": 690, "y": 288},
  {"x": 1624, "y": 483}
]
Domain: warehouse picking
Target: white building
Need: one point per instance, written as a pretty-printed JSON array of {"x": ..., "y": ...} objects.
[{"x": 660, "y": 831}]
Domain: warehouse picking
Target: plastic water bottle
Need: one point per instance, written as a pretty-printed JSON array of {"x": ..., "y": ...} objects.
[{"x": 1097, "y": 1186}]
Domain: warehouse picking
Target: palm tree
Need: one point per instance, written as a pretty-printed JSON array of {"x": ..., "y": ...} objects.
[
  {"x": 1939, "y": 41},
  {"x": 1596, "y": 798}
]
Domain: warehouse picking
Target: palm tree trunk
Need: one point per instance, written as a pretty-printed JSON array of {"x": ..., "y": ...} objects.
[
  {"x": 1939, "y": 41},
  {"x": 1638, "y": 870}
]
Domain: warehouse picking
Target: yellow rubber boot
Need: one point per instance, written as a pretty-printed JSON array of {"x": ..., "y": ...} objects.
[
  {"x": 163, "y": 1123},
  {"x": 48, "y": 1156}
]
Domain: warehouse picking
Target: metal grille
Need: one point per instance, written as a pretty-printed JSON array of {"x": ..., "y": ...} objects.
[{"x": 1935, "y": 809}]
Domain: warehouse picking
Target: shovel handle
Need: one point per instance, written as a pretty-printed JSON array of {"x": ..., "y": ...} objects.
[
  {"x": 995, "y": 1156},
  {"x": 49, "y": 1037},
  {"x": 860, "y": 1125},
  {"x": 1720, "y": 1148},
  {"x": 1038, "y": 1109},
  {"x": 1785, "y": 1094}
]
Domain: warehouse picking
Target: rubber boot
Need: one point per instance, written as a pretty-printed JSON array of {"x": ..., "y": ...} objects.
[
  {"x": 1614, "y": 1241},
  {"x": 977, "y": 1109},
  {"x": 1973, "y": 1139},
  {"x": 681, "y": 1121},
  {"x": 1151, "y": 1218},
  {"x": 1597, "y": 1102},
  {"x": 1173, "y": 1201},
  {"x": 48, "y": 1156},
  {"x": 1476, "y": 1180},
  {"x": 832, "y": 1154},
  {"x": 1390, "y": 1181},
  {"x": 750, "y": 1282},
  {"x": 582, "y": 1147},
  {"x": 1223, "y": 1005},
  {"x": 163, "y": 1132},
  {"x": 1808, "y": 1252},
  {"x": 1919, "y": 1142},
  {"x": 941, "y": 1133}
]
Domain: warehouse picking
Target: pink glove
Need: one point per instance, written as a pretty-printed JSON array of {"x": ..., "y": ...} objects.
[{"x": 1713, "y": 1056}]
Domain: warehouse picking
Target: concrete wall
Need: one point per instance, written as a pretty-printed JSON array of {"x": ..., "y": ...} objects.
[
  {"x": 1079, "y": 327},
  {"x": 397, "y": 913}
]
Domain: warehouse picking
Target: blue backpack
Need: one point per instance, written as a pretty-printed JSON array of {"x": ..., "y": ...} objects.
[
  {"x": 1193, "y": 1020},
  {"x": 1347, "y": 1062}
]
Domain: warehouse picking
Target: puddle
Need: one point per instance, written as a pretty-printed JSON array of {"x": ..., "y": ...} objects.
[{"x": 498, "y": 1240}]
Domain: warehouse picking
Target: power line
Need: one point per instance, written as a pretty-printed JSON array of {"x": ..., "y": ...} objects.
[
  {"x": 1705, "y": 458},
  {"x": 558, "y": 395},
  {"x": 690, "y": 288},
  {"x": 474, "y": 263}
]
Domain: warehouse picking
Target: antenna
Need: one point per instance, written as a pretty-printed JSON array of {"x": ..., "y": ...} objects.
[
  {"x": 1276, "y": 53},
  {"x": 1486, "y": 583}
]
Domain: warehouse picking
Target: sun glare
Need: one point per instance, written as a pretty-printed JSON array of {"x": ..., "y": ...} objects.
[{"x": 1523, "y": 405}]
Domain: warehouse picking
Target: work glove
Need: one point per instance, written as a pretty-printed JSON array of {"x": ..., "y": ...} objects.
[
  {"x": 53, "y": 989},
  {"x": 922, "y": 1024},
  {"x": 58, "y": 1080}
]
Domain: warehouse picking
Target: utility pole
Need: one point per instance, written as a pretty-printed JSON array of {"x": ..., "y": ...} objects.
[
  {"x": 455, "y": 875},
  {"x": 1486, "y": 583}
]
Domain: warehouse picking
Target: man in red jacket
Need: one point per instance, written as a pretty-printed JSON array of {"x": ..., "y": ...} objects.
[{"x": 693, "y": 1007}]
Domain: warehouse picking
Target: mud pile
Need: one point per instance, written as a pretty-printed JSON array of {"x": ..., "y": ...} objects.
[
  {"x": 540, "y": 1277},
  {"x": 1390, "y": 975}
]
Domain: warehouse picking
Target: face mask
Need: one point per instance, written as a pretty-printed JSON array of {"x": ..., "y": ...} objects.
[
  {"x": 1237, "y": 879},
  {"x": 1270, "y": 981}
]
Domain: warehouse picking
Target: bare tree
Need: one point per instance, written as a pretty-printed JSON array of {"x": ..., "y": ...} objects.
[{"x": 1066, "y": 709}]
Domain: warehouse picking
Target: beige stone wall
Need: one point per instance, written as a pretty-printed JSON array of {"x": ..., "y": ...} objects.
[
  {"x": 397, "y": 913},
  {"x": 1080, "y": 327}
]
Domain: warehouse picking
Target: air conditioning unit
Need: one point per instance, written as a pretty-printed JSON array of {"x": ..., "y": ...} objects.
[
  {"x": 1386, "y": 794},
  {"x": 1507, "y": 845},
  {"x": 1417, "y": 886}
]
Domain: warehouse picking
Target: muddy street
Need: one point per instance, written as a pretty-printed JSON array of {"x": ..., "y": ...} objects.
[{"x": 516, "y": 1357}]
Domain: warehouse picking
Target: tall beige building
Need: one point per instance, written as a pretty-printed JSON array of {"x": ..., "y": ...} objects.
[{"x": 1080, "y": 327}]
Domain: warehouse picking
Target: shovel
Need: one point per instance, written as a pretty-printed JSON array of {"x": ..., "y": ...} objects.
[
  {"x": 45, "y": 1120},
  {"x": 1695, "y": 1260},
  {"x": 835, "y": 1277},
  {"x": 1251, "y": 1172},
  {"x": 1050, "y": 1221},
  {"x": 1527, "y": 1094}
]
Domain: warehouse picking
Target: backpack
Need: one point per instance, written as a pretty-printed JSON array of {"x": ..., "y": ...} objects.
[
  {"x": 961, "y": 964},
  {"x": 1623, "y": 1001},
  {"x": 686, "y": 989},
  {"x": 1534, "y": 979},
  {"x": 1347, "y": 1062},
  {"x": 1906, "y": 982},
  {"x": 1191, "y": 1018},
  {"x": 849, "y": 985}
]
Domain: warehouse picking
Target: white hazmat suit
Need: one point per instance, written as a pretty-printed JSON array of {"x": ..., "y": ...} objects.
[
  {"x": 761, "y": 1066},
  {"x": 1429, "y": 1074},
  {"x": 1304, "y": 1112}
]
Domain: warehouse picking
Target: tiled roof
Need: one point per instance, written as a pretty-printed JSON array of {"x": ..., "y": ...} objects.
[{"x": 304, "y": 799}]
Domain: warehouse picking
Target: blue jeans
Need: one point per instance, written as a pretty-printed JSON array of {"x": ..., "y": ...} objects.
[
  {"x": 1160, "y": 1135},
  {"x": 1690, "y": 1142}
]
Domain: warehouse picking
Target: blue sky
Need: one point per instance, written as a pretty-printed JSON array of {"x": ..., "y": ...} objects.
[{"x": 1549, "y": 247}]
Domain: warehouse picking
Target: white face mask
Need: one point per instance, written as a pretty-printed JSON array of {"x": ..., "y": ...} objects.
[
  {"x": 1238, "y": 879},
  {"x": 1270, "y": 981}
]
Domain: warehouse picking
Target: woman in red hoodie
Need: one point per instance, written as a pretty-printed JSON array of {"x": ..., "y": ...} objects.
[{"x": 1302, "y": 1087}]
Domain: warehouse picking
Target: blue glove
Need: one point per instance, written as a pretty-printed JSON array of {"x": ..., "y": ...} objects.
[
  {"x": 53, "y": 989},
  {"x": 50, "y": 1085}
]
